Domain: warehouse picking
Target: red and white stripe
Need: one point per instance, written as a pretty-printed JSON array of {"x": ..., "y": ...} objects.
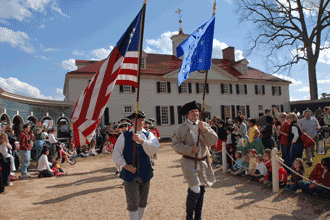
[{"x": 116, "y": 70}]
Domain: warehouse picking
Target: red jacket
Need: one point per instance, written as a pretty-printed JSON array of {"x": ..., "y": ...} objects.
[
  {"x": 285, "y": 128},
  {"x": 24, "y": 139},
  {"x": 317, "y": 173}
]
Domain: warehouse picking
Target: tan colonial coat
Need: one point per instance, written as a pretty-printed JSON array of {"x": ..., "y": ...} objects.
[{"x": 183, "y": 142}]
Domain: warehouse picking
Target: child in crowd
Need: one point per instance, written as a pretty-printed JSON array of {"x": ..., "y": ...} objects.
[
  {"x": 231, "y": 146},
  {"x": 298, "y": 166},
  {"x": 92, "y": 151},
  {"x": 253, "y": 161},
  {"x": 107, "y": 148},
  {"x": 57, "y": 168},
  {"x": 239, "y": 161},
  {"x": 244, "y": 167},
  {"x": 260, "y": 171},
  {"x": 282, "y": 175},
  {"x": 72, "y": 151},
  {"x": 268, "y": 162}
]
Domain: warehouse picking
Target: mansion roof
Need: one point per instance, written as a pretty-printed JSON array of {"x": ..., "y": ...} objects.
[{"x": 160, "y": 64}]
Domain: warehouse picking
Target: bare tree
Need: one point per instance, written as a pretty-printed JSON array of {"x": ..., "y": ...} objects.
[{"x": 289, "y": 31}]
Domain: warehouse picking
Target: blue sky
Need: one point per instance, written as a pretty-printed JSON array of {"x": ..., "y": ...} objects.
[{"x": 41, "y": 39}]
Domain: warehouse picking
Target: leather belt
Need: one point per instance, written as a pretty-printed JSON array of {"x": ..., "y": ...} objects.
[{"x": 194, "y": 158}]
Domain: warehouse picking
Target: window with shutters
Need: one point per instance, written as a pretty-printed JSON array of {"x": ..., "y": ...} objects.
[
  {"x": 260, "y": 107},
  {"x": 227, "y": 111},
  {"x": 163, "y": 87},
  {"x": 164, "y": 115},
  {"x": 127, "y": 88},
  {"x": 241, "y": 89},
  {"x": 276, "y": 90},
  {"x": 226, "y": 88},
  {"x": 184, "y": 87},
  {"x": 242, "y": 108},
  {"x": 259, "y": 89},
  {"x": 143, "y": 63},
  {"x": 127, "y": 109},
  {"x": 201, "y": 87},
  {"x": 277, "y": 107}
]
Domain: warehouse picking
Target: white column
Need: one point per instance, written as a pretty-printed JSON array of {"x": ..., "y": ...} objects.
[
  {"x": 224, "y": 157},
  {"x": 276, "y": 183}
]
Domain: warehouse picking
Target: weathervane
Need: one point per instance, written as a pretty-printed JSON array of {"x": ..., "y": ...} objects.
[{"x": 180, "y": 15}]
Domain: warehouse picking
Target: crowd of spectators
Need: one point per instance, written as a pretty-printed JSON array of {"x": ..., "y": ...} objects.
[{"x": 249, "y": 143}]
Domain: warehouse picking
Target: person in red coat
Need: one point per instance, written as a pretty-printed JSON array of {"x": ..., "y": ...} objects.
[
  {"x": 154, "y": 128},
  {"x": 25, "y": 149},
  {"x": 320, "y": 175}
]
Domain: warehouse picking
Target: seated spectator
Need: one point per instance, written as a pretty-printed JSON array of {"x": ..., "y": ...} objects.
[
  {"x": 320, "y": 175},
  {"x": 298, "y": 166},
  {"x": 239, "y": 161},
  {"x": 57, "y": 168},
  {"x": 268, "y": 163},
  {"x": 81, "y": 151},
  {"x": 253, "y": 161},
  {"x": 282, "y": 175},
  {"x": 92, "y": 151},
  {"x": 72, "y": 151},
  {"x": 107, "y": 148},
  {"x": 43, "y": 164},
  {"x": 245, "y": 166},
  {"x": 260, "y": 171}
]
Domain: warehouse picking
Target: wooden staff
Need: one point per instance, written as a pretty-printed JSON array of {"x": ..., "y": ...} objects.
[
  {"x": 204, "y": 92},
  {"x": 138, "y": 74}
]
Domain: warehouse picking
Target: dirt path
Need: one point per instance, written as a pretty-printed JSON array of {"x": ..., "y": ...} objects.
[{"x": 93, "y": 191}]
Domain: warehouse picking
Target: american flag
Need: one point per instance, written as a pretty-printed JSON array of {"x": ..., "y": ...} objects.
[{"x": 120, "y": 68}]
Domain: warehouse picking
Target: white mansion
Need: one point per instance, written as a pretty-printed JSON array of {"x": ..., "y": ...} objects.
[{"x": 232, "y": 86}]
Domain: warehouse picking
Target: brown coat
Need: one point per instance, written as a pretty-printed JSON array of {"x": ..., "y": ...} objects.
[{"x": 183, "y": 142}]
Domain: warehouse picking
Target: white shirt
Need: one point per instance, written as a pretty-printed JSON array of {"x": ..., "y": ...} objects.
[
  {"x": 262, "y": 168},
  {"x": 92, "y": 151},
  {"x": 294, "y": 130},
  {"x": 150, "y": 146},
  {"x": 43, "y": 163},
  {"x": 4, "y": 149},
  {"x": 52, "y": 139},
  {"x": 195, "y": 137}
]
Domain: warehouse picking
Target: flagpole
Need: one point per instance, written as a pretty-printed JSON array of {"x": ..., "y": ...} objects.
[
  {"x": 138, "y": 74},
  {"x": 204, "y": 92}
]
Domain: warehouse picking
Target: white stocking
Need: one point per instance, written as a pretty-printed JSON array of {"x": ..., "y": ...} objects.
[
  {"x": 134, "y": 215},
  {"x": 141, "y": 212}
]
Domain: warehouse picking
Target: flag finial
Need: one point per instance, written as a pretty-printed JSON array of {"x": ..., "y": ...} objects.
[{"x": 214, "y": 6}]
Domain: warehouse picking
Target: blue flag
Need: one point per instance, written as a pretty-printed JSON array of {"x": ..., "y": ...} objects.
[{"x": 197, "y": 50}]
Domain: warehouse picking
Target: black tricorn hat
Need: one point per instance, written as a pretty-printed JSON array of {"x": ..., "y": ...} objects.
[
  {"x": 124, "y": 119},
  {"x": 148, "y": 122},
  {"x": 139, "y": 115},
  {"x": 188, "y": 107},
  {"x": 125, "y": 124}
]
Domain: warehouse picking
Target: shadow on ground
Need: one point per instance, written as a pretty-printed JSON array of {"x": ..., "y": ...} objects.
[{"x": 70, "y": 196}]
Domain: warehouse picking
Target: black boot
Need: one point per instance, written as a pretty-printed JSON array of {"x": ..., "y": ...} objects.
[
  {"x": 199, "y": 204},
  {"x": 191, "y": 204}
]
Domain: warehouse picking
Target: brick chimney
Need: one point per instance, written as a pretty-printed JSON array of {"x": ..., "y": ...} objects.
[{"x": 229, "y": 54}]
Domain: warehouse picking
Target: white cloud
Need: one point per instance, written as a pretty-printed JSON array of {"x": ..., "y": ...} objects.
[
  {"x": 101, "y": 53},
  {"x": 324, "y": 81},
  {"x": 294, "y": 82},
  {"x": 16, "y": 39},
  {"x": 77, "y": 52},
  {"x": 60, "y": 11},
  {"x": 51, "y": 49},
  {"x": 69, "y": 64},
  {"x": 304, "y": 89},
  {"x": 163, "y": 44},
  {"x": 15, "y": 86},
  {"x": 42, "y": 26},
  {"x": 43, "y": 57}
]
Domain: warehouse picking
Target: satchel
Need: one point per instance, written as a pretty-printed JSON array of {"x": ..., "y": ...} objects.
[{"x": 307, "y": 140}]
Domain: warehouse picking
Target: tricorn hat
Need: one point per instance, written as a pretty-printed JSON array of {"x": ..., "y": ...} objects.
[
  {"x": 139, "y": 115},
  {"x": 152, "y": 120},
  {"x": 188, "y": 107},
  {"x": 125, "y": 124}
]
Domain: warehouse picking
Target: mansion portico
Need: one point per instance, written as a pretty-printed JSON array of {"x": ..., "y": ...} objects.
[{"x": 232, "y": 86}]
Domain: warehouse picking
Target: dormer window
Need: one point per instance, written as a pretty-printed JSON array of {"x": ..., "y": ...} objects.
[{"x": 244, "y": 69}]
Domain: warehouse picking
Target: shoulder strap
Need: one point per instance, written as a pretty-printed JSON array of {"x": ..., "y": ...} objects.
[{"x": 146, "y": 134}]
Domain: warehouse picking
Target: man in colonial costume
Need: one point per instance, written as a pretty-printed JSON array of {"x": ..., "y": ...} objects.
[
  {"x": 136, "y": 178},
  {"x": 195, "y": 161}
]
